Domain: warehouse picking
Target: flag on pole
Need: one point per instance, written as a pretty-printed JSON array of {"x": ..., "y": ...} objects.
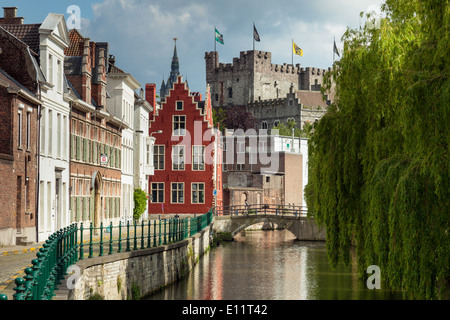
[
  {"x": 219, "y": 37},
  {"x": 335, "y": 49},
  {"x": 296, "y": 49},
  {"x": 255, "y": 34}
]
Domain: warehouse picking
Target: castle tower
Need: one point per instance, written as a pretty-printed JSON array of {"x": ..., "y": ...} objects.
[{"x": 251, "y": 77}]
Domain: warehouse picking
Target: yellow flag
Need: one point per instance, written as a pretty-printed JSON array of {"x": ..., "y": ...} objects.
[{"x": 296, "y": 49}]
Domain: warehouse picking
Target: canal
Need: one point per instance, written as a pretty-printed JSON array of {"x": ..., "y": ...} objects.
[{"x": 271, "y": 265}]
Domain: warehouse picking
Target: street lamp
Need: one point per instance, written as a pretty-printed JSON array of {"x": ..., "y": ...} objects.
[{"x": 159, "y": 131}]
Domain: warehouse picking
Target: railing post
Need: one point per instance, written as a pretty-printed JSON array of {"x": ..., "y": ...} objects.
[
  {"x": 170, "y": 230},
  {"x": 91, "y": 249},
  {"x": 154, "y": 233},
  {"x": 110, "y": 238},
  {"x": 20, "y": 289},
  {"x": 135, "y": 236},
  {"x": 128, "y": 236},
  {"x": 165, "y": 233},
  {"x": 159, "y": 235},
  {"x": 148, "y": 236},
  {"x": 120, "y": 238},
  {"x": 101, "y": 239},
  {"x": 142, "y": 235},
  {"x": 81, "y": 242}
]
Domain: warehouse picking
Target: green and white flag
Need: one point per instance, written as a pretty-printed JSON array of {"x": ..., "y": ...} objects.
[{"x": 219, "y": 37}]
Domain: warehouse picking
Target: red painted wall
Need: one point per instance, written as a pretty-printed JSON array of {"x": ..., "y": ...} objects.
[{"x": 197, "y": 124}]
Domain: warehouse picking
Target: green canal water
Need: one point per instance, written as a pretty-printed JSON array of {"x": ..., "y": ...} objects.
[{"x": 271, "y": 265}]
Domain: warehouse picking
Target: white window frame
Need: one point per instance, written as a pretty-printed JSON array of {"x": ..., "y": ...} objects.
[
  {"x": 177, "y": 190},
  {"x": 176, "y": 151},
  {"x": 157, "y": 190},
  {"x": 179, "y": 131},
  {"x": 198, "y": 191},
  {"x": 200, "y": 156}
]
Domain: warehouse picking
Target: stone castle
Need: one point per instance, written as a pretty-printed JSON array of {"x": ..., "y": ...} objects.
[{"x": 273, "y": 93}]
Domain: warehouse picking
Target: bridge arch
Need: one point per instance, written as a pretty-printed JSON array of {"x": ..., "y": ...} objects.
[{"x": 302, "y": 228}]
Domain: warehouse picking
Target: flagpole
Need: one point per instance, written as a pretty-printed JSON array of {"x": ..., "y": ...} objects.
[
  {"x": 292, "y": 51},
  {"x": 334, "y": 41},
  {"x": 215, "y": 39},
  {"x": 253, "y": 35}
]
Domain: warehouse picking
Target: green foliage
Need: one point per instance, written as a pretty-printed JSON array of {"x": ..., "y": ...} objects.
[
  {"x": 378, "y": 159},
  {"x": 286, "y": 130},
  {"x": 140, "y": 203}
]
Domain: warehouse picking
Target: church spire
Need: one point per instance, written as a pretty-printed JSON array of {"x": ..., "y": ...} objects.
[{"x": 175, "y": 68}]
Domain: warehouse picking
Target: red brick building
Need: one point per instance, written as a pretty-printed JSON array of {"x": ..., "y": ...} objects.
[
  {"x": 186, "y": 153},
  {"x": 95, "y": 186},
  {"x": 19, "y": 114}
]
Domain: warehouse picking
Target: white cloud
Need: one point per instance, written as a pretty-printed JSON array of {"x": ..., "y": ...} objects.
[{"x": 140, "y": 32}]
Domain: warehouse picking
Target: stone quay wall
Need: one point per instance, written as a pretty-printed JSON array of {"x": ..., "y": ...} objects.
[{"x": 144, "y": 271}]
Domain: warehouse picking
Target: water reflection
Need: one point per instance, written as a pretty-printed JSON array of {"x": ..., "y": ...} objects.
[{"x": 270, "y": 265}]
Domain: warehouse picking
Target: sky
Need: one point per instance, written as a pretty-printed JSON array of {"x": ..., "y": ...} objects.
[{"x": 140, "y": 32}]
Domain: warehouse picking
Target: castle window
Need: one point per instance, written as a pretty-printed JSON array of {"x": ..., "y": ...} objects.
[
  {"x": 264, "y": 125},
  {"x": 230, "y": 92},
  {"x": 217, "y": 97},
  {"x": 276, "y": 123}
]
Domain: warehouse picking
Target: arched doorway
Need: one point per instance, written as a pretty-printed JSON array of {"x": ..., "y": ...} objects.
[{"x": 96, "y": 186}]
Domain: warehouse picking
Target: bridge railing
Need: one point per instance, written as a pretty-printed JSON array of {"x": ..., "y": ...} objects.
[
  {"x": 260, "y": 209},
  {"x": 76, "y": 242}
]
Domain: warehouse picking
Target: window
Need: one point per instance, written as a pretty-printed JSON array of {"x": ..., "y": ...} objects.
[
  {"x": 198, "y": 193},
  {"x": 179, "y": 105},
  {"x": 19, "y": 129},
  {"x": 178, "y": 157},
  {"x": 50, "y": 68},
  {"x": 262, "y": 146},
  {"x": 177, "y": 192},
  {"x": 147, "y": 156},
  {"x": 179, "y": 125},
  {"x": 28, "y": 130},
  {"x": 58, "y": 135},
  {"x": 240, "y": 146},
  {"x": 157, "y": 192},
  {"x": 230, "y": 93},
  {"x": 276, "y": 123},
  {"x": 59, "y": 76},
  {"x": 240, "y": 166},
  {"x": 50, "y": 132},
  {"x": 264, "y": 124},
  {"x": 158, "y": 157},
  {"x": 198, "y": 158}
]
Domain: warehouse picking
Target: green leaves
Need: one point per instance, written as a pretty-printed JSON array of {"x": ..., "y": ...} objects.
[
  {"x": 378, "y": 160},
  {"x": 140, "y": 203}
]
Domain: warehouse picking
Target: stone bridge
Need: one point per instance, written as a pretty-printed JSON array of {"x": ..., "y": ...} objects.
[{"x": 303, "y": 228}]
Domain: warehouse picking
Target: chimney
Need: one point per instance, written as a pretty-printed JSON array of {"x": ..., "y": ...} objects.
[
  {"x": 10, "y": 16},
  {"x": 150, "y": 95}
]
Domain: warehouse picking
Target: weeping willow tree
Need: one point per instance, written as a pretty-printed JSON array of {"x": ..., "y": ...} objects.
[{"x": 379, "y": 158}]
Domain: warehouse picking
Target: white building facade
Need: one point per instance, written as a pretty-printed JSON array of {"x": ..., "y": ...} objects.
[
  {"x": 121, "y": 88},
  {"x": 54, "y": 170},
  {"x": 143, "y": 146}
]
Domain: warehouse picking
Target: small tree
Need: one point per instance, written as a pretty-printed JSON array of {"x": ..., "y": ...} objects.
[{"x": 140, "y": 203}]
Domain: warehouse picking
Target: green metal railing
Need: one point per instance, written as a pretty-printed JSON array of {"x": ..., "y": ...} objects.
[{"x": 69, "y": 245}]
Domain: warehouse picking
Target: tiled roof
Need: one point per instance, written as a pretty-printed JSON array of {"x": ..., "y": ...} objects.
[
  {"x": 311, "y": 98},
  {"x": 28, "y": 33},
  {"x": 74, "y": 48}
]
